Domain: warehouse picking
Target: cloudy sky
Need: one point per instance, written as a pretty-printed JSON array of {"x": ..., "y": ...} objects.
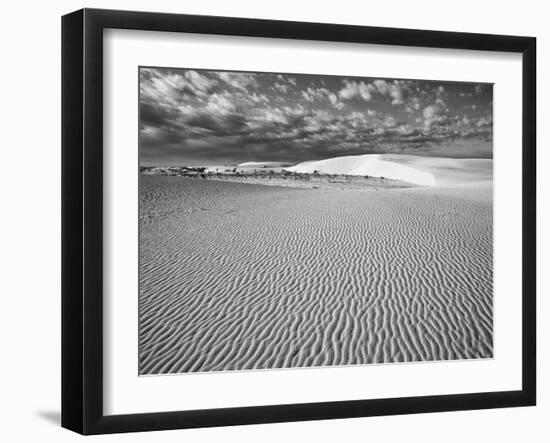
[{"x": 197, "y": 117}]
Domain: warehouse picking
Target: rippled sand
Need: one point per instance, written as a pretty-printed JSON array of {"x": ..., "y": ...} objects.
[{"x": 238, "y": 276}]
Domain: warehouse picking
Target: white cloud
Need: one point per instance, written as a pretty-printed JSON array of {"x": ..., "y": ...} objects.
[
  {"x": 392, "y": 90},
  {"x": 464, "y": 121},
  {"x": 275, "y": 116},
  {"x": 317, "y": 120},
  {"x": 311, "y": 94},
  {"x": 289, "y": 80},
  {"x": 484, "y": 121},
  {"x": 284, "y": 115},
  {"x": 356, "y": 119},
  {"x": 220, "y": 104},
  {"x": 333, "y": 98},
  {"x": 354, "y": 89},
  {"x": 239, "y": 80},
  {"x": 382, "y": 86},
  {"x": 200, "y": 82},
  {"x": 279, "y": 87},
  {"x": 431, "y": 111},
  {"x": 356, "y": 116},
  {"x": 187, "y": 110},
  {"x": 433, "y": 114},
  {"x": 170, "y": 88},
  {"x": 258, "y": 98},
  {"x": 389, "y": 122},
  {"x": 322, "y": 94},
  {"x": 396, "y": 93}
]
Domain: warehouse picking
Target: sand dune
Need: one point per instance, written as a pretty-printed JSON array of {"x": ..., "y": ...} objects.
[
  {"x": 423, "y": 171},
  {"x": 236, "y": 276},
  {"x": 262, "y": 165}
]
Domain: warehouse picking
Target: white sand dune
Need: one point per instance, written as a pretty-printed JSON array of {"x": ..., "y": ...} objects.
[
  {"x": 236, "y": 276},
  {"x": 423, "y": 171},
  {"x": 262, "y": 165}
]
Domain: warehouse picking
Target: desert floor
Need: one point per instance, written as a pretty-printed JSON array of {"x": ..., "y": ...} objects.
[{"x": 238, "y": 276}]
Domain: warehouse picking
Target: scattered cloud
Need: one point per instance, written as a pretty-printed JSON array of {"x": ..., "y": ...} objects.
[
  {"x": 238, "y": 80},
  {"x": 435, "y": 114},
  {"x": 353, "y": 89},
  {"x": 280, "y": 87},
  {"x": 321, "y": 95},
  {"x": 191, "y": 116},
  {"x": 393, "y": 90}
]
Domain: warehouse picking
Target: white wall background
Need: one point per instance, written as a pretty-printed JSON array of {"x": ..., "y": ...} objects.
[{"x": 30, "y": 220}]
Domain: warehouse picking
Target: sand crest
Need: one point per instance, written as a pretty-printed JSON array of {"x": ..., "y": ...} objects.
[{"x": 419, "y": 170}]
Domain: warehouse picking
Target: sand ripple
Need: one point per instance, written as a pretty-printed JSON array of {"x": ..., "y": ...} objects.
[{"x": 236, "y": 276}]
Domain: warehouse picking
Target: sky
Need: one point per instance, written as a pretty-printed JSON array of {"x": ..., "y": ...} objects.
[{"x": 199, "y": 117}]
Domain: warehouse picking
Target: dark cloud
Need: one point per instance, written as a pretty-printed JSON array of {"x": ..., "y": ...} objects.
[{"x": 190, "y": 116}]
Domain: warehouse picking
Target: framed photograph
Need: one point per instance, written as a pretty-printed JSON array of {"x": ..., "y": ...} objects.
[{"x": 269, "y": 221}]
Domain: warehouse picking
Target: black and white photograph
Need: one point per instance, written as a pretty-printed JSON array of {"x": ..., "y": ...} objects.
[
  {"x": 299, "y": 220},
  {"x": 244, "y": 222}
]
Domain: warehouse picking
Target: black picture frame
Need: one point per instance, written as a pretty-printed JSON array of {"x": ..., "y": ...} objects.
[{"x": 82, "y": 221}]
